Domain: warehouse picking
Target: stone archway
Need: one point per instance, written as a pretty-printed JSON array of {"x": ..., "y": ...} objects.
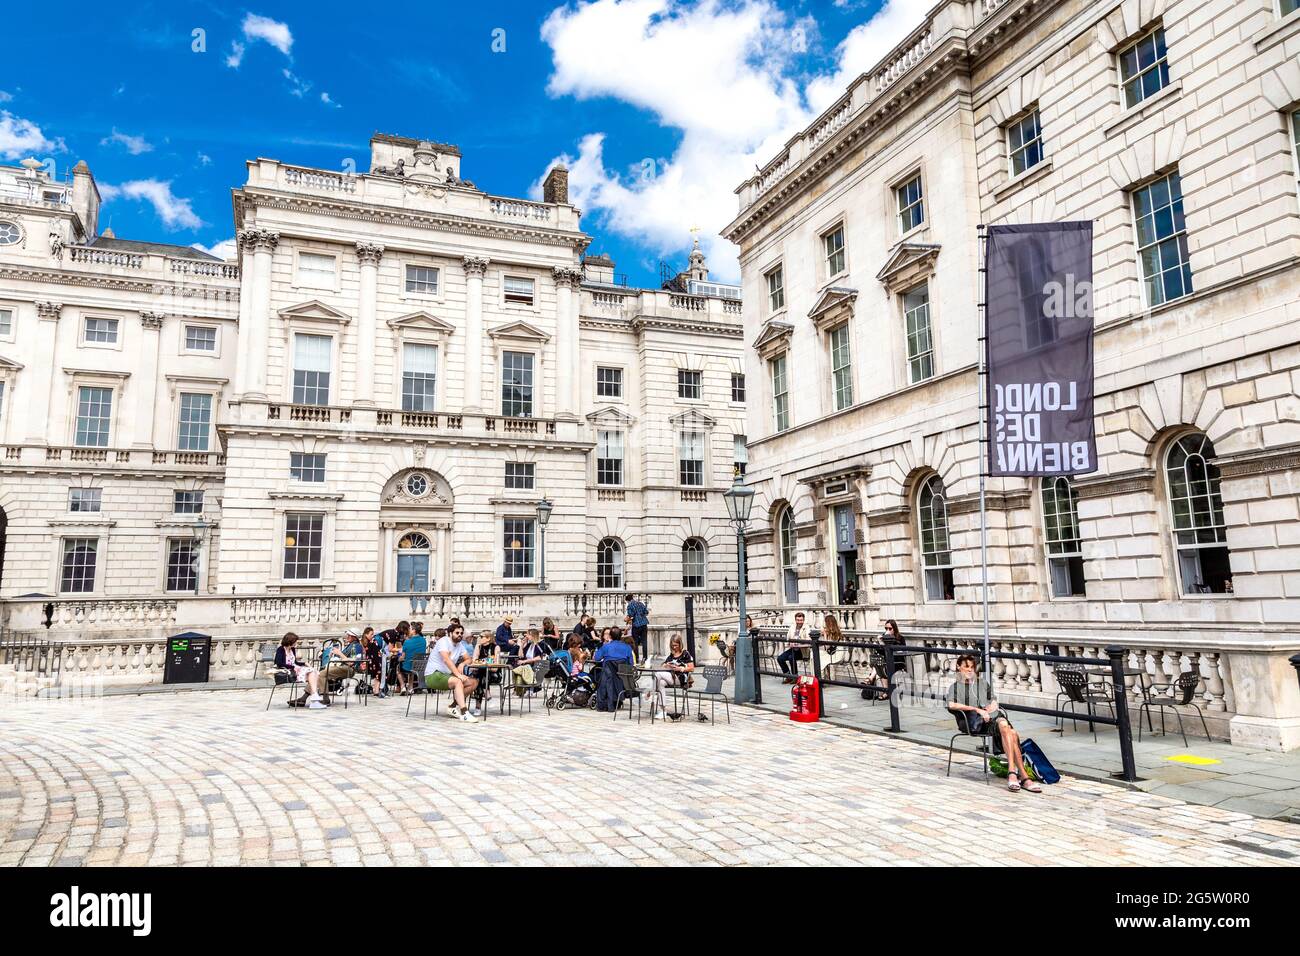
[{"x": 415, "y": 532}]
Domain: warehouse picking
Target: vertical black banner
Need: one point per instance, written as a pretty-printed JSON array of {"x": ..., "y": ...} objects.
[{"x": 1038, "y": 314}]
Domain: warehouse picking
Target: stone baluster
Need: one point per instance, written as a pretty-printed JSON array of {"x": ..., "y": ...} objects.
[
  {"x": 368, "y": 256},
  {"x": 475, "y": 267}
]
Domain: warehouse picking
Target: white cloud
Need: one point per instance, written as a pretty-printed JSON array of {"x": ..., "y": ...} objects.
[
  {"x": 272, "y": 31},
  {"x": 297, "y": 85},
  {"x": 204, "y": 159},
  {"x": 325, "y": 98},
  {"x": 5, "y": 97},
  {"x": 20, "y": 138},
  {"x": 236, "y": 55},
  {"x": 725, "y": 75},
  {"x": 135, "y": 145},
  {"x": 174, "y": 211},
  {"x": 225, "y": 249}
]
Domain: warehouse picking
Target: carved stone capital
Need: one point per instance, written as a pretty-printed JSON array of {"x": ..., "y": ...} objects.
[
  {"x": 369, "y": 253},
  {"x": 566, "y": 276},
  {"x": 48, "y": 310},
  {"x": 256, "y": 240},
  {"x": 152, "y": 320},
  {"x": 475, "y": 265}
]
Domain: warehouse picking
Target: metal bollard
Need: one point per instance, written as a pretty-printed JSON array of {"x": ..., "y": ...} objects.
[{"x": 1117, "y": 655}]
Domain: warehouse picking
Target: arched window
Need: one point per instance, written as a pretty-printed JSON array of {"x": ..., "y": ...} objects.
[
  {"x": 1061, "y": 538},
  {"x": 609, "y": 564},
  {"x": 693, "y": 563},
  {"x": 936, "y": 559},
  {"x": 1196, "y": 513},
  {"x": 413, "y": 553},
  {"x": 786, "y": 546}
]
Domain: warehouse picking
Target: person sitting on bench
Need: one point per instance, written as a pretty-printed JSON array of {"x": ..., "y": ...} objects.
[{"x": 972, "y": 694}]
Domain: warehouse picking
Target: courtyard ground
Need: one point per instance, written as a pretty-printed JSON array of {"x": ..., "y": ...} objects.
[{"x": 213, "y": 778}]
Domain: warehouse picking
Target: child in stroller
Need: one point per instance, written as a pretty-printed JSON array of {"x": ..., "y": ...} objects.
[{"x": 572, "y": 687}]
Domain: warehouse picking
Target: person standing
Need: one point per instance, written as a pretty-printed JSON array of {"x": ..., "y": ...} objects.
[{"x": 638, "y": 618}]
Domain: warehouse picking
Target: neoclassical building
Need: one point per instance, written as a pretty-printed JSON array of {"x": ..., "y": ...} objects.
[
  {"x": 1173, "y": 126},
  {"x": 373, "y": 400}
]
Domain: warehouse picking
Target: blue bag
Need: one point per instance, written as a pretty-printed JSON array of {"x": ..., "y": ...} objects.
[{"x": 1038, "y": 762}]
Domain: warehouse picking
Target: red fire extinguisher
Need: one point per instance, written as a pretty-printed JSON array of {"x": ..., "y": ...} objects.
[{"x": 806, "y": 697}]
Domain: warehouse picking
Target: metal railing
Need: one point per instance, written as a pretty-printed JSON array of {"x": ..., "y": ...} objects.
[{"x": 892, "y": 653}]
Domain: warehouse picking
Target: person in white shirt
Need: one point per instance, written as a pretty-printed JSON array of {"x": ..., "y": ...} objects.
[
  {"x": 443, "y": 672},
  {"x": 789, "y": 658}
]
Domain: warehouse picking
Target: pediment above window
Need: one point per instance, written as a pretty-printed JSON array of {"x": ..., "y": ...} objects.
[
  {"x": 315, "y": 311},
  {"x": 833, "y": 307},
  {"x": 692, "y": 418},
  {"x": 609, "y": 415},
  {"x": 519, "y": 331},
  {"x": 908, "y": 265},
  {"x": 773, "y": 338},
  {"x": 422, "y": 322},
  {"x": 9, "y": 365}
]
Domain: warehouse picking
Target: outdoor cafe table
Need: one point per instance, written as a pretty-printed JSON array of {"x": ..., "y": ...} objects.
[{"x": 485, "y": 686}]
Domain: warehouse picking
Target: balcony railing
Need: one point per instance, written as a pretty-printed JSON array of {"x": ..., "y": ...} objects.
[{"x": 135, "y": 457}]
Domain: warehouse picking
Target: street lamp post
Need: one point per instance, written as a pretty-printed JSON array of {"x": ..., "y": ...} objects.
[
  {"x": 543, "y": 517},
  {"x": 739, "y": 501}
]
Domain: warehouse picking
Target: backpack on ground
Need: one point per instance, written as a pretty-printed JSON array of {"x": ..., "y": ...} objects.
[{"x": 1037, "y": 762}]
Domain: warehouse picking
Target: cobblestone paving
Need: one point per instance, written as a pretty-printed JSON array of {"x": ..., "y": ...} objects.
[{"x": 212, "y": 778}]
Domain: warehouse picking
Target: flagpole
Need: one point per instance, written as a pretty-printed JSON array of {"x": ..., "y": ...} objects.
[{"x": 983, "y": 380}]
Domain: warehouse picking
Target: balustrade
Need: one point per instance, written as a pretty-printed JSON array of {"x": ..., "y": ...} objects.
[
  {"x": 520, "y": 209},
  {"x": 319, "y": 179}
]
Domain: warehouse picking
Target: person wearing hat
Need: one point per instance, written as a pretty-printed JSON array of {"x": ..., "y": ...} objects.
[
  {"x": 342, "y": 668},
  {"x": 505, "y": 635}
]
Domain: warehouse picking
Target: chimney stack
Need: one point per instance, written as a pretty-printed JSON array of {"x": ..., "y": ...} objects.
[
  {"x": 85, "y": 200},
  {"x": 555, "y": 188}
]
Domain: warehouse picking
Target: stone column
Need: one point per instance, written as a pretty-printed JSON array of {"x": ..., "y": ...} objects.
[
  {"x": 263, "y": 242},
  {"x": 473, "y": 374},
  {"x": 368, "y": 255},
  {"x": 568, "y": 303},
  {"x": 42, "y": 373},
  {"x": 243, "y": 362},
  {"x": 146, "y": 395}
]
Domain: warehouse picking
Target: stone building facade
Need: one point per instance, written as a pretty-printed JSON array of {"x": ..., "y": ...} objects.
[
  {"x": 1172, "y": 126},
  {"x": 373, "y": 400}
]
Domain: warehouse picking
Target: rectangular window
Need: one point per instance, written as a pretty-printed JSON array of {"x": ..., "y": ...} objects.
[
  {"x": 195, "y": 422},
  {"x": 833, "y": 247},
  {"x": 517, "y": 384},
  {"x": 200, "y": 338},
  {"x": 688, "y": 383},
  {"x": 1289, "y": 7},
  {"x": 911, "y": 205},
  {"x": 85, "y": 500},
  {"x": 182, "y": 564},
  {"x": 521, "y": 475},
  {"x": 780, "y": 393},
  {"x": 316, "y": 270},
  {"x": 738, "y": 387},
  {"x": 311, "y": 369},
  {"x": 78, "y": 567},
  {"x": 94, "y": 414},
  {"x": 776, "y": 290},
  {"x": 422, "y": 279},
  {"x": 1144, "y": 67},
  {"x": 517, "y": 553},
  {"x": 419, "y": 377},
  {"x": 920, "y": 344},
  {"x": 609, "y": 457},
  {"x": 609, "y": 382},
  {"x": 306, "y": 467},
  {"x": 739, "y": 455},
  {"x": 304, "y": 536},
  {"x": 1162, "y": 240},
  {"x": 187, "y": 502},
  {"x": 6, "y": 322},
  {"x": 1025, "y": 143},
  {"x": 101, "y": 331},
  {"x": 841, "y": 367},
  {"x": 519, "y": 291},
  {"x": 690, "y": 459}
]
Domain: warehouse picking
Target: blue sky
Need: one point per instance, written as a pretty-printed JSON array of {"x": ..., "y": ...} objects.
[{"x": 661, "y": 107}]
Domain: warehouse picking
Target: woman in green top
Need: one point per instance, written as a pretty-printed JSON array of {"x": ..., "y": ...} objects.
[{"x": 972, "y": 693}]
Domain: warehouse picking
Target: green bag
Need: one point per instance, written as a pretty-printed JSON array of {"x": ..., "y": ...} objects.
[{"x": 998, "y": 765}]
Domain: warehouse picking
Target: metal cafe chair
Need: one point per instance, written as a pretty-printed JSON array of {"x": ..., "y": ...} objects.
[{"x": 1181, "y": 694}]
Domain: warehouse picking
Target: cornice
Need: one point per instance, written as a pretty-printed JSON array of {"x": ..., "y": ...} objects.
[
  {"x": 362, "y": 212},
  {"x": 306, "y": 430},
  {"x": 121, "y": 284},
  {"x": 1122, "y": 483},
  {"x": 1263, "y": 462},
  {"x": 643, "y": 322},
  {"x": 993, "y": 501}
]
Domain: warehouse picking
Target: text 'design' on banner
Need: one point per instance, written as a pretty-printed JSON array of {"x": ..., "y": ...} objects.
[{"x": 1038, "y": 312}]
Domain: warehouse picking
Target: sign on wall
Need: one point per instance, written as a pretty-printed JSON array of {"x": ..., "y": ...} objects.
[{"x": 1038, "y": 298}]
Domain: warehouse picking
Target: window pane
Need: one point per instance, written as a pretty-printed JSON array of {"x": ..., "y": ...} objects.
[
  {"x": 6, "y": 321},
  {"x": 200, "y": 339},
  {"x": 422, "y": 279},
  {"x": 737, "y": 387},
  {"x": 303, "y": 545},
  {"x": 517, "y": 384},
  {"x": 690, "y": 458},
  {"x": 841, "y": 367},
  {"x": 85, "y": 499},
  {"x": 609, "y": 564},
  {"x": 776, "y": 290},
  {"x": 834, "y": 247},
  {"x": 780, "y": 393},
  {"x": 518, "y": 548},
  {"x": 520, "y": 474},
  {"x": 196, "y": 417},
  {"x": 311, "y": 369},
  {"x": 688, "y": 383},
  {"x": 187, "y": 502},
  {"x": 609, "y": 457},
  {"x": 519, "y": 290},
  {"x": 306, "y": 467},
  {"x": 419, "y": 377},
  {"x": 609, "y": 382},
  {"x": 101, "y": 330},
  {"x": 78, "y": 566},
  {"x": 316, "y": 270},
  {"x": 182, "y": 564},
  {"x": 920, "y": 346},
  {"x": 693, "y": 571},
  {"x": 911, "y": 209},
  {"x": 1144, "y": 68},
  {"x": 1162, "y": 240},
  {"x": 94, "y": 413}
]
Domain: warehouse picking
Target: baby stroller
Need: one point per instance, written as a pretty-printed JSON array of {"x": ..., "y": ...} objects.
[{"x": 568, "y": 692}]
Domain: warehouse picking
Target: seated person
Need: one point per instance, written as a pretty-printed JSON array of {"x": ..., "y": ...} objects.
[
  {"x": 345, "y": 655},
  {"x": 532, "y": 651},
  {"x": 677, "y": 665},
  {"x": 371, "y": 658},
  {"x": 287, "y": 659},
  {"x": 412, "y": 647},
  {"x": 444, "y": 672},
  {"x": 972, "y": 695}
]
